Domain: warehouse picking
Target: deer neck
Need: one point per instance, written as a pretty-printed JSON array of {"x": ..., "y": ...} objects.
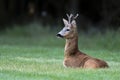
[{"x": 71, "y": 46}]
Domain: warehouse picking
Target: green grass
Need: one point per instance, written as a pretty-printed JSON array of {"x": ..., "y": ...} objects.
[{"x": 34, "y": 53}]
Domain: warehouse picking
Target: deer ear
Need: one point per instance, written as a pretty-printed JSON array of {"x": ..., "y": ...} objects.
[
  {"x": 65, "y": 21},
  {"x": 73, "y": 22}
]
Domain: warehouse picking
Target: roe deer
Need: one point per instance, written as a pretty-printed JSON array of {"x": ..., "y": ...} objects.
[{"x": 72, "y": 56}]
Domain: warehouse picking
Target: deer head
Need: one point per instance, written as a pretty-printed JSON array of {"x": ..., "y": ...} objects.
[{"x": 70, "y": 28}]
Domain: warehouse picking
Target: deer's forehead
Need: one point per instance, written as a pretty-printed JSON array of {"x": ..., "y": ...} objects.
[{"x": 67, "y": 26}]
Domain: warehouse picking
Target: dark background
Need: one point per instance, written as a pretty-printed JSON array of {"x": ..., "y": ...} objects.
[{"x": 97, "y": 14}]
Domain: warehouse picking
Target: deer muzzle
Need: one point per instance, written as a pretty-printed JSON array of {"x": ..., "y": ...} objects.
[{"x": 59, "y": 35}]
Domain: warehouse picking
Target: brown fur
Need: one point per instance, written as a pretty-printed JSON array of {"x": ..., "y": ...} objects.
[{"x": 74, "y": 58}]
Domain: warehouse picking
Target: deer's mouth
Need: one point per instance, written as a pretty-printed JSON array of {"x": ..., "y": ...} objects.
[{"x": 59, "y": 36}]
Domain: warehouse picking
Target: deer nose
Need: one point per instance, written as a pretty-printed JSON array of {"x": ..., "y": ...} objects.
[{"x": 59, "y": 35}]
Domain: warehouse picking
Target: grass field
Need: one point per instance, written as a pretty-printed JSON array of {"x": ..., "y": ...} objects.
[{"x": 34, "y": 53}]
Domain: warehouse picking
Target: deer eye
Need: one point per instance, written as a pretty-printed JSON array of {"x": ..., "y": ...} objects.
[{"x": 67, "y": 29}]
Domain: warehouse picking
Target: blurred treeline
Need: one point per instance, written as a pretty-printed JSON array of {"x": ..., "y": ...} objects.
[{"x": 99, "y": 14}]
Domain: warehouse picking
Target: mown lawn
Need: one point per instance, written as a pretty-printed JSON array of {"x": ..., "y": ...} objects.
[{"x": 38, "y": 55}]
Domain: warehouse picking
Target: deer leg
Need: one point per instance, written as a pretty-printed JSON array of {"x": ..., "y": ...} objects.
[{"x": 91, "y": 63}]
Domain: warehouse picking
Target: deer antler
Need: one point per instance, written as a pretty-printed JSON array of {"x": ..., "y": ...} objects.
[
  {"x": 76, "y": 16},
  {"x": 71, "y": 17}
]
